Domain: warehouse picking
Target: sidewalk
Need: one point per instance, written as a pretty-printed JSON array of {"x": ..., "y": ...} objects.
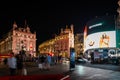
[
  {"x": 34, "y": 70},
  {"x": 57, "y": 72},
  {"x": 60, "y": 69},
  {"x": 103, "y": 66},
  {"x": 55, "y": 69}
]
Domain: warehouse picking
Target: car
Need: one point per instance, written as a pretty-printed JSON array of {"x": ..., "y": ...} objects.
[
  {"x": 81, "y": 60},
  {"x": 65, "y": 60}
]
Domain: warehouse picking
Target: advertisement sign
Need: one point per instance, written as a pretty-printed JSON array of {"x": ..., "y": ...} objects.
[
  {"x": 104, "y": 23},
  {"x": 104, "y": 39},
  {"x": 118, "y": 38},
  {"x": 72, "y": 58},
  {"x": 101, "y": 32}
]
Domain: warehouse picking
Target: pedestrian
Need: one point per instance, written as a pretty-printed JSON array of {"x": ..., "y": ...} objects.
[
  {"x": 12, "y": 64},
  {"x": 40, "y": 66},
  {"x": 23, "y": 53},
  {"x": 48, "y": 59},
  {"x": 5, "y": 61},
  {"x": 44, "y": 61},
  {"x": 19, "y": 64}
]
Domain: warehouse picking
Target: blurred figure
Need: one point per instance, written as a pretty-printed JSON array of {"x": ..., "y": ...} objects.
[
  {"x": 41, "y": 61},
  {"x": 23, "y": 53},
  {"x": 48, "y": 60},
  {"x": 19, "y": 64},
  {"x": 5, "y": 61},
  {"x": 59, "y": 58},
  {"x": 12, "y": 64}
]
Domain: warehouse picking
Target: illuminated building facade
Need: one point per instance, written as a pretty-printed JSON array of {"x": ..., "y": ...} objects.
[
  {"x": 47, "y": 46},
  {"x": 118, "y": 17},
  {"x": 99, "y": 28},
  {"x": 78, "y": 43},
  {"x": 19, "y": 38},
  {"x": 103, "y": 33},
  {"x": 100, "y": 33},
  {"x": 102, "y": 38},
  {"x": 61, "y": 44}
]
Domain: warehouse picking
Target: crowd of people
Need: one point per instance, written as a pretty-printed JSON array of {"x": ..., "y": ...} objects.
[
  {"x": 46, "y": 60},
  {"x": 17, "y": 62}
]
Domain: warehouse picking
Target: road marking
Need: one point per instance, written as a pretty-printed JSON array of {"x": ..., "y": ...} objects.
[{"x": 65, "y": 77}]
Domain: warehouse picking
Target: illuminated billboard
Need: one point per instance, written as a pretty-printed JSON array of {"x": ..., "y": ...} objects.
[
  {"x": 100, "y": 32},
  {"x": 105, "y": 23},
  {"x": 103, "y": 39}
]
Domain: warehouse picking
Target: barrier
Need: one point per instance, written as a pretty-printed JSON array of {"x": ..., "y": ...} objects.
[{"x": 37, "y": 77}]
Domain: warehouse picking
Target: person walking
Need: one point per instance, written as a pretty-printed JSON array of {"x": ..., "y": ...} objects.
[
  {"x": 48, "y": 58},
  {"x": 19, "y": 64},
  {"x": 12, "y": 64},
  {"x": 41, "y": 62}
]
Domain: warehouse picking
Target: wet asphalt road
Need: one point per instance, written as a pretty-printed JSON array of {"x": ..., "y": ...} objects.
[
  {"x": 96, "y": 72},
  {"x": 81, "y": 71}
]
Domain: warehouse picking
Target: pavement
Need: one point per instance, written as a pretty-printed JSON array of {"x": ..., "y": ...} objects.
[
  {"x": 61, "y": 68},
  {"x": 103, "y": 66},
  {"x": 55, "y": 69},
  {"x": 95, "y": 72}
]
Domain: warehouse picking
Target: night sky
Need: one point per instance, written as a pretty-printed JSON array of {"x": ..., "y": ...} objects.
[{"x": 48, "y": 17}]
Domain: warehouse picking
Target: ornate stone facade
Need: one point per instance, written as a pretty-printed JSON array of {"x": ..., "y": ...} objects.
[
  {"x": 60, "y": 45},
  {"x": 79, "y": 46},
  {"x": 19, "y": 38}
]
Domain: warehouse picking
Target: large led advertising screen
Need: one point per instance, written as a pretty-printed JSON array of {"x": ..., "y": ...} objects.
[
  {"x": 103, "y": 39},
  {"x": 104, "y": 23},
  {"x": 100, "y": 32}
]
